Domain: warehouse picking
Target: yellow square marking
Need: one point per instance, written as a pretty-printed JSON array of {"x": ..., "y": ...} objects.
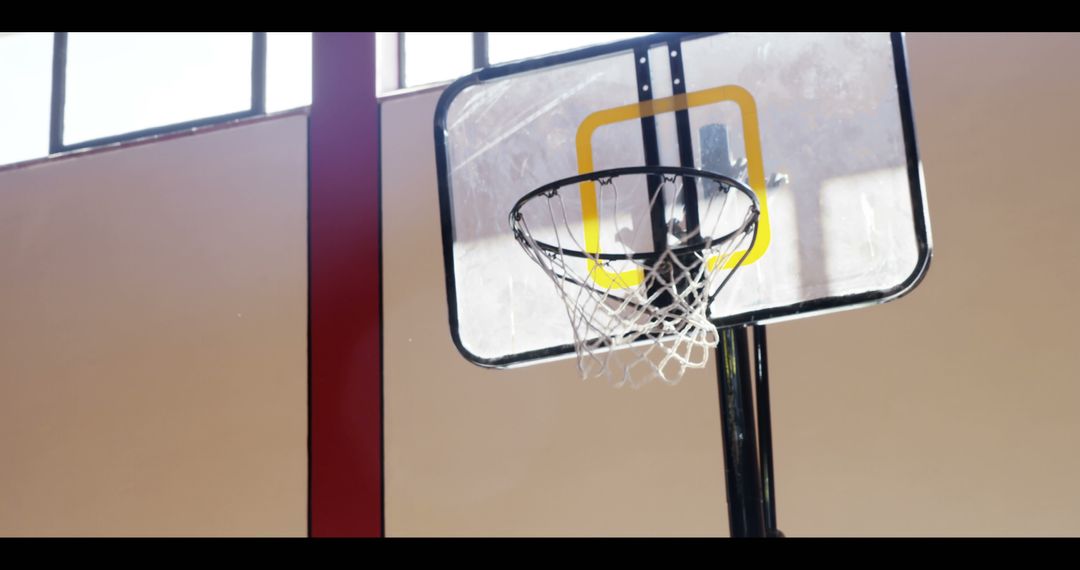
[{"x": 755, "y": 170}]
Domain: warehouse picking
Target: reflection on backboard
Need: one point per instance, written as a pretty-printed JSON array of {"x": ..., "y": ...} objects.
[{"x": 818, "y": 127}]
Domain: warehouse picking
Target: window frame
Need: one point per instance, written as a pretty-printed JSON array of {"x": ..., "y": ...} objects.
[
  {"x": 59, "y": 97},
  {"x": 393, "y": 58},
  {"x": 481, "y": 60},
  {"x": 398, "y": 85}
]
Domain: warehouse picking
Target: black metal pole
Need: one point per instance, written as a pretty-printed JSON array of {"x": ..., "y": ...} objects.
[
  {"x": 651, "y": 143},
  {"x": 764, "y": 423},
  {"x": 744, "y": 492}
]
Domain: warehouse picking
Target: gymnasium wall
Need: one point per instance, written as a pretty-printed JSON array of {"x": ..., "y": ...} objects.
[
  {"x": 153, "y": 337},
  {"x": 952, "y": 411},
  {"x": 153, "y": 348}
]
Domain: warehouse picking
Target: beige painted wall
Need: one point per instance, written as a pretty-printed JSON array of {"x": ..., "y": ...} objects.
[
  {"x": 153, "y": 358},
  {"x": 953, "y": 411}
]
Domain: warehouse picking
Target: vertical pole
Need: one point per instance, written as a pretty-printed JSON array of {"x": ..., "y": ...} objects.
[
  {"x": 59, "y": 92},
  {"x": 651, "y": 144},
  {"x": 764, "y": 421},
  {"x": 401, "y": 60},
  {"x": 686, "y": 148},
  {"x": 258, "y": 72},
  {"x": 480, "y": 50},
  {"x": 740, "y": 443},
  {"x": 344, "y": 290}
]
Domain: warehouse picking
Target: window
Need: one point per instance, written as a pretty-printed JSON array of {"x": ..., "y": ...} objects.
[
  {"x": 288, "y": 70},
  {"x": 435, "y": 56},
  {"x": 506, "y": 46},
  {"x": 118, "y": 86},
  {"x": 425, "y": 58},
  {"x": 119, "y": 83},
  {"x": 25, "y": 81}
]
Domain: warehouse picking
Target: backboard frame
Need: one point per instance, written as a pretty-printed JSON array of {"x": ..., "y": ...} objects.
[{"x": 815, "y": 307}]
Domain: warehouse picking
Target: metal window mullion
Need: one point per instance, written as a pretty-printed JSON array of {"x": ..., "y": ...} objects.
[
  {"x": 480, "y": 50},
  {"x": 401, "y": 60},
  {"x": 258, "y": 73},
  {"x": 59, "y": 83}
]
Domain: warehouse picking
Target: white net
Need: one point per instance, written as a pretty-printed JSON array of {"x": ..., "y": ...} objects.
[{"x": 637, "y": 255}]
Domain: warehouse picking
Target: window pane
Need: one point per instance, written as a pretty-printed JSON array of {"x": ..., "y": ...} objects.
[
  {"x": 124, "y": 82},
  {"x": 288, "y": 70},
  {"x": 508, "y": 46},
  {"x": 436, "y": 56},
  {"x": 25, "y": 87}
]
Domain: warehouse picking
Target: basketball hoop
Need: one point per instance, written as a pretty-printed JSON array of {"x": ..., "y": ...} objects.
[{"x": 639, "y": 273}]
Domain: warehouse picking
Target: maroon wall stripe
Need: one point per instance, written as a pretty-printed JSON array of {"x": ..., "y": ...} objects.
[{"x": 345, "y": 338}]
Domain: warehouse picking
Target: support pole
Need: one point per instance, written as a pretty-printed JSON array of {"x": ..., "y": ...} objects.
[
  {"x": 744, "y": 491},
  {"x": 764, "y": 423}
]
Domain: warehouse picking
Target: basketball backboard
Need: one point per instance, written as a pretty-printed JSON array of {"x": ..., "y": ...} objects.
[{"x": 819, "y": 126}]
